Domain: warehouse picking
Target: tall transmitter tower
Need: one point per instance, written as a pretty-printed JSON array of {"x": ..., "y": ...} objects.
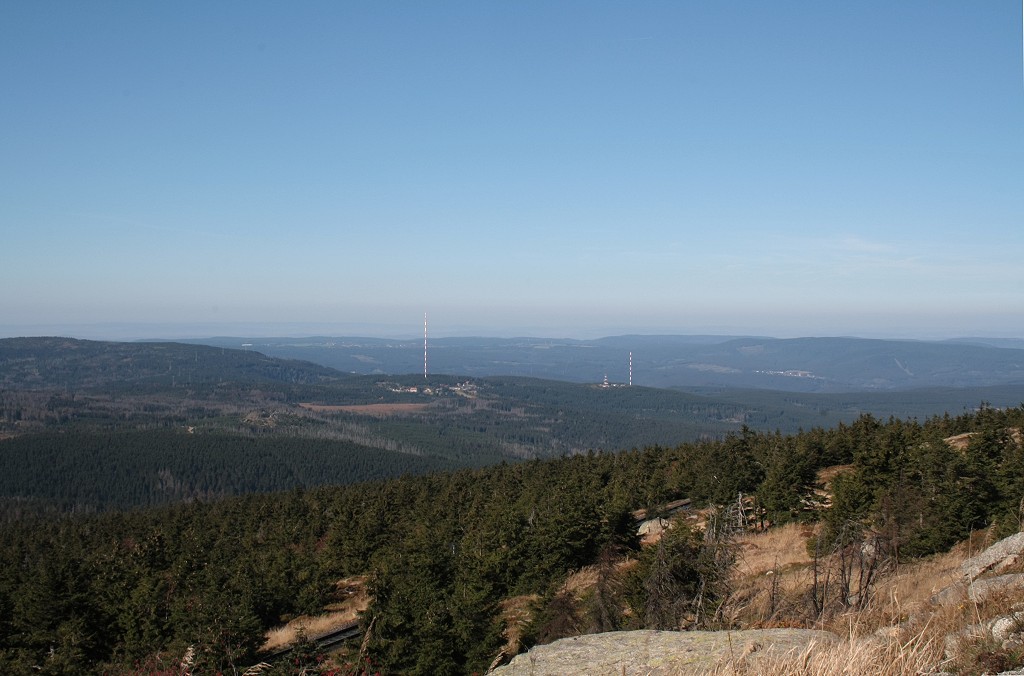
[{"x": 424, "y": 345}]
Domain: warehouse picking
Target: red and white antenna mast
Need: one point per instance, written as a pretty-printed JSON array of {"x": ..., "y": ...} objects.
[
  {"x": 631, "y": 369},
  {"x": 424, "y": 345}
]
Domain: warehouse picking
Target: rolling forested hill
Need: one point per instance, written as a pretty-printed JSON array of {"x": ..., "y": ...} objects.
[
  {"x": 46, "y": 363},
  {"x": 177, "y": 422}
]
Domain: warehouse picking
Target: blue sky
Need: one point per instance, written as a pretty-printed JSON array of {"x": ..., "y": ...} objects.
[{"x": 555, "y": 168}]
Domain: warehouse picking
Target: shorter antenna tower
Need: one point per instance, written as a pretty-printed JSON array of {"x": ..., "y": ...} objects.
[
  {"x": 424, "y": 345},
  {"x": 631, "y": 369}
]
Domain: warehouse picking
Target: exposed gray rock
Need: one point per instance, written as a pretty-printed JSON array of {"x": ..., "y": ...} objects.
[
  {"x": 998, "y": 557},
  {"x": 954, "y": 593},
  {"x": 659, "y": 653},
  {"x": 980, "y": 590},
  {"x": 1005, "y": 631},
  {"x": 958, "y": 640},
  {"x": 1006, "y": 627}
]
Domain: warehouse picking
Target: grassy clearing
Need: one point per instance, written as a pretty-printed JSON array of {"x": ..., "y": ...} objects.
[
  {"x": 775, "y": 550},
  {"x": 353, "y": 600},
  {"x": 771, "y": 579},
  {"x": 377, "y": 410}
]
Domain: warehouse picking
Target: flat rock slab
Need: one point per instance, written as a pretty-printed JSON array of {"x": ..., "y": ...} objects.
[
  {"x": 659, "y": 653},
  {"x": 982, "y": 589},
  {"x": 997, "y": 557}
]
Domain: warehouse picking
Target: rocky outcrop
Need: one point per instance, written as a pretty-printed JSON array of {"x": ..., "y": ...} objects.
[
  {"x": 1001, "y": 556},
  {"x": 977, "y": 584},
  {"x": 997, "y": 558},
  {"x": 1005, "y": 631},
  {"x": 980, "y": 590},
  {"x": 660, "y": 653}
]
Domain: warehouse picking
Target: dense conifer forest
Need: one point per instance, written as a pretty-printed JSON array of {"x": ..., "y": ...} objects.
[{"x": 128, "y": 591}]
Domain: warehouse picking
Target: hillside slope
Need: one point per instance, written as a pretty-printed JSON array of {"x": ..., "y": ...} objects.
[{"x": 39, "y": 363}]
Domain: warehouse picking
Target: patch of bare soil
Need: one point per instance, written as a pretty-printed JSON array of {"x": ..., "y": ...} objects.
[
  {"x": 378, "y": 410},
  {"x": 827, "y": 474},
  {"x": 960, "y": 442}
]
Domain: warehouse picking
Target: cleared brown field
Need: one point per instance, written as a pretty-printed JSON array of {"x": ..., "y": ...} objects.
[{"x": 380, "y": 410}]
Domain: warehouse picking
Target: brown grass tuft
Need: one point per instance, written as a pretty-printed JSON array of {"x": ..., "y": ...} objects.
[
  {"x": 777, "y": 549},
  {"x": 901, "y": 631},
  {"x": 771, "y": 578},
  {"x": 852, "y": 657},
  {"x": 311, "y": 626},
  {"x": 353, "y": 601},
  {"x": 516, "y": 615}
]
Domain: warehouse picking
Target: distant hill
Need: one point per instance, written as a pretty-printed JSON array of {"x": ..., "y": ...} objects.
[
  {"x": 794, "y": 365},
  {"x": 1015, "y": 343},
  {"x": 27, "y": 363}
]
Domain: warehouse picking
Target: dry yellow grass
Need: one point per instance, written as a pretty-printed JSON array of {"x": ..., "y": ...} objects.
[
  {"x": 516, "y": 615},
  {"x": 774, "y": 550},
  {"x": 310, "y": 625},
  {"x": 771, "y": 578},
  {"x": 910, "y": 587},
  {"x": 774, "y": 577},
  {"x": 826, "y": 475},
  {"x": 961, "y": 441},
  {"x": 353, "y": 601},
  {"x": 900, "y": 631},
  {"x": 852, "y": 657},
  {"x": 581, "y": 581}
]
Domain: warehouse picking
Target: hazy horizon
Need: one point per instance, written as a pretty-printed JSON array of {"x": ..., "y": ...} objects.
[
  {"x": 558, "y": 169},
  {"x": 156, "y": 331}
]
